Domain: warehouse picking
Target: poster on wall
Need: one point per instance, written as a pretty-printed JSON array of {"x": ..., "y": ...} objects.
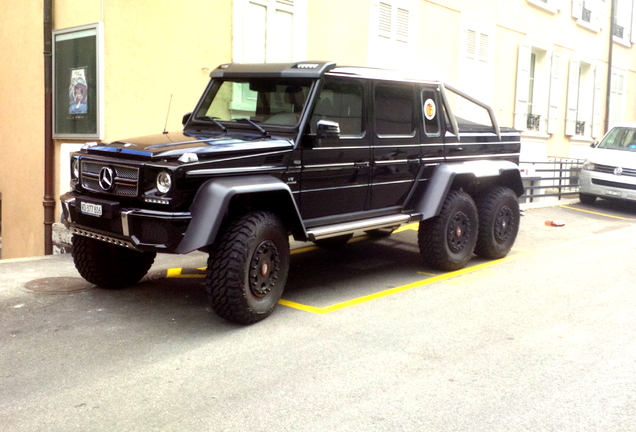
[{"x": 78, "y": 82}]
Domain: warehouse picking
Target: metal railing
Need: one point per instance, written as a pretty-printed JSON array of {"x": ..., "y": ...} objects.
[{"x": 554, "y": 178}]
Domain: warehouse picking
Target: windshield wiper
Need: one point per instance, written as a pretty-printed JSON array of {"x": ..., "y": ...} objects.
[
  {"x": 213, "y": 120},
  {"x": 260, "y": 129}
]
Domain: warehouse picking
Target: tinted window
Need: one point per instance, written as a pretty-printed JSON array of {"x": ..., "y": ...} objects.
[
  {"x": 393, "y": 110},
  {"x": 340, "y": 102}
]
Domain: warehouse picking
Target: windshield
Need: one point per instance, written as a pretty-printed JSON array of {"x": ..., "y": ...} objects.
[
  {"x": 265, "y": 101},
  {"x": 620, "y": 138}
]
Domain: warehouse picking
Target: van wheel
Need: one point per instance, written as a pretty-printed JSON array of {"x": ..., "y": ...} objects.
[
  {"x": 107, "y": 265},
  {"x": 587, "y": 198},
  {"x": 498, "y": 223},
  {"x": 247, "y": 268},
  {"x": 447, "y": 241}
]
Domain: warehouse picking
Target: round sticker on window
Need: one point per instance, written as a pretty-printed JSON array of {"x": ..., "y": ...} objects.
[{"x": 430, "y": 109}]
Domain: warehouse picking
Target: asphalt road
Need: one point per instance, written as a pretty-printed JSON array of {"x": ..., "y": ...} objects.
[{"x": 366, "y": 339}]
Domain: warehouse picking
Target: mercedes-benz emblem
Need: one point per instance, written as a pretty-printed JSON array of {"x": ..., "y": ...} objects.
[
  {"x": 106, "y": 178},
  {"x": 618, "y": 171}
]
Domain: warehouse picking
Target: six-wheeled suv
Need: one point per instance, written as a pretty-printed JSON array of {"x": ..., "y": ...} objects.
[{"x": 310, "y": 150}]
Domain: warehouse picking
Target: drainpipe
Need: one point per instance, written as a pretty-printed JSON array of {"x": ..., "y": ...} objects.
[
  {"x": 609, "y": 65},
  {"x": 49, "y": 146}
]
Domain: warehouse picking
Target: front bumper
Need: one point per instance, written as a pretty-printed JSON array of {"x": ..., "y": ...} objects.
[
  {"x": 607, "y": 185},
  {"x": 133, "y": 228}
]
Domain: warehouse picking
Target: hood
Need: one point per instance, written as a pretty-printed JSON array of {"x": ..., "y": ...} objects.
[
  {"x": 174, "y": 144},
  {"x": 611, "y": 157}
]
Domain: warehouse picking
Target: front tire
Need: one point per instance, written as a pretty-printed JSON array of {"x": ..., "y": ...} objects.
[
  {"x": 587, "y": 198},
  {"x": 447, "y": 241},
  {"x": 107, "y": 265},
  {"x": 498, "y": 223},
  {"x": 247, "y": 268}
]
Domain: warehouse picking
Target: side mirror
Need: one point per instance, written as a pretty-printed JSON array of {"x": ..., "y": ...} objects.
[
  {"x": 186, "y": 118},
  {"x": 327, "y": 128},
  {"x": 594, "y": 144}
]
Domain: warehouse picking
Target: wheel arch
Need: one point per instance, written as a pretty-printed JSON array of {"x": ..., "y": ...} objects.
[
  {"x": 472, "y": 177},
  {"x": 217, "y": 199}
]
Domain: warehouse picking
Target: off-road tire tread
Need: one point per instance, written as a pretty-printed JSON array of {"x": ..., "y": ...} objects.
[
  {"x": 107, "y": 265},
  {"x": 227, "y": 265},
  {"x": 432, "y": 235},
  {"x": 487, "y": 208}
]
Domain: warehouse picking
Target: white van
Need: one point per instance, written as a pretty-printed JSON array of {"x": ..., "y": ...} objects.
[{"x": 610, "y": 170}]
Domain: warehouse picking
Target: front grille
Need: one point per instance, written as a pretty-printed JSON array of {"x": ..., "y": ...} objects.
[
  {"x": 609, "y": 169},
  {"x": 613, "y": 184},
  {"x": 125, "y": 181}
]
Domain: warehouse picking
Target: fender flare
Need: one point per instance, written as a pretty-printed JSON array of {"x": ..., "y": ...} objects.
[
  {"x": 429, "y": 204},
  {"x": 212, "y": 202}
]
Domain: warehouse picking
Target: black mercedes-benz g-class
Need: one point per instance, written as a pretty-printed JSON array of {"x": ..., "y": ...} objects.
[{"x": 309, "y": 150}]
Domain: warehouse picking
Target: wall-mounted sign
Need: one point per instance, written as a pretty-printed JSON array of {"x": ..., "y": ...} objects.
[{"x": 78, "y": 82}]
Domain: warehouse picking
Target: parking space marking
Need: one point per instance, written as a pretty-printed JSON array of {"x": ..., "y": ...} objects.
[
  {"x": 443, "y": 277},
  {"x": 200, "y": 273},
  {"x": 598, "y": 214}
]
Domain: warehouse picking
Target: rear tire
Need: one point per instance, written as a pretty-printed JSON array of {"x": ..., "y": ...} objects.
[
  {"x": 587, "y": 198},
  {"x": 247, "y": 268},
  {"x": 498, "y": 223},
  {"x": 447, "y": 241},
  {"x": 107, "y": 265}
]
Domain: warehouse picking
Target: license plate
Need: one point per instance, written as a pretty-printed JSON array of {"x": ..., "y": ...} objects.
[
  {"x": 613, "y": 193},
  {"x": 91, "y": 209}
]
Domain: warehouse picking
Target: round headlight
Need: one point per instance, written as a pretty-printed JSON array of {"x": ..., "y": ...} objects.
[
  {"x": 76, "y": 168},
  {"x": 164, "y": 182}
]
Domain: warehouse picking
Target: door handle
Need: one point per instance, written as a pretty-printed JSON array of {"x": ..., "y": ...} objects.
[{"x": 361, "y": 164}]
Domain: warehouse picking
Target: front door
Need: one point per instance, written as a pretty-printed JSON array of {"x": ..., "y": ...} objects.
[{"x": 335, "y": 169}]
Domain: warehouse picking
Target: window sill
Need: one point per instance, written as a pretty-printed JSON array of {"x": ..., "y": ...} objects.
[
  {"x": 589, "y": 26},
  {"x": 623, "y": 42},
  {"x": 579, "y": 139},
  {"x": 548, "y": 7},
  {"x": 534, "y": 134}
]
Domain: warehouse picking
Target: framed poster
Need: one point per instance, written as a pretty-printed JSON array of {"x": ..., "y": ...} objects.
[{"x": 78, "y": 82}]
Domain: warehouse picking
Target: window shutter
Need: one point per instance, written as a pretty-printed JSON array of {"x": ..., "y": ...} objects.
[
  {"x": 633, "y": 26},
  {"x": 577, "y": 9},
  {"x": 573, "y": 97},
  {"x": 523, "y": 87},
  {"x": 598, "y": 104},
  {"x": 601, "y": 13},
  {"x": 553, "y": 110}
]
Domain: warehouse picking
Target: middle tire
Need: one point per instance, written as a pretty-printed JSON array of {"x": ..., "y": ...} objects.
[
  {"x": 247, "y": 267},
  {"x": 447, "y": 241}
]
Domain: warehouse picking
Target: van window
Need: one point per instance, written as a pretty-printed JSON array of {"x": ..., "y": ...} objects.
[{"x": 620, "y": 138}]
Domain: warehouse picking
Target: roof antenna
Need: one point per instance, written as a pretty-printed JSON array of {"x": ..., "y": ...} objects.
[{"x": 165, "y": 131}]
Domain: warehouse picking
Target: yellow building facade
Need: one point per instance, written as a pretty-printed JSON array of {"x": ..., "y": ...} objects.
[{"x": 542, "y": 64}]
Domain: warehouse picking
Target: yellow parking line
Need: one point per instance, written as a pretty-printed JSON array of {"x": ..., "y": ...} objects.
[
  {"x": 596, "y": 213},
  {"x": 442, "y": 277}
]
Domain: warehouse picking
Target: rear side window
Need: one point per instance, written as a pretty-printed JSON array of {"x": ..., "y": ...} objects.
[
  {"x": 431, "y": 113},
  {"x": 393, "y": 110}
]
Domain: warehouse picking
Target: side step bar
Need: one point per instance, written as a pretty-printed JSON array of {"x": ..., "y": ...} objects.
[{"x": 361, "y": 225}]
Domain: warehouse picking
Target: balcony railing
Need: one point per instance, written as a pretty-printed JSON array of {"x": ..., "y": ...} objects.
[
  {"x": 580, "y": 128},
  {"x": 534, "y": 122},
  {"x": 618, "y": 31}
]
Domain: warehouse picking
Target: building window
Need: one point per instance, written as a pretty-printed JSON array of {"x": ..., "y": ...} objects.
[
  {"x": 269, "y": 31},
  {"x": 477, "y": 58},
  {"x": 591, "y": 14},
  {"x": 534, "y": 81},
  {"x": 581, "y": 101},
  {"x": 625, "y": 14},
  {"x": 617, "y": 97},
  {"x": 392, "y": 34}
]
